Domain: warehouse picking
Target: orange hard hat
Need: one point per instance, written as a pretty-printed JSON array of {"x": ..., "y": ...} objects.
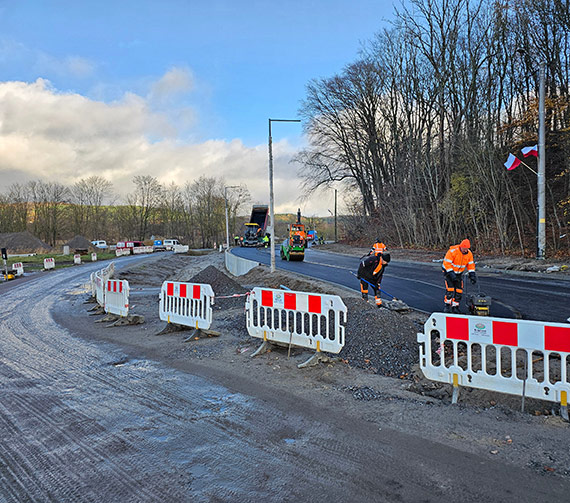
[{"x": 465, "y": 244}]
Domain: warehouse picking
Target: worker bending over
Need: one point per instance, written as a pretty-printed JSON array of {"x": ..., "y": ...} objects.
[
  {"x": 457, "y": 259},
  {"x": 370, "y": 272}
]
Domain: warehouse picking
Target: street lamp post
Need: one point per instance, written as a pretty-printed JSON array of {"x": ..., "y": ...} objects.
[
  {"x": 271, "y": 201},
  {"x": 226, "y": 205}
]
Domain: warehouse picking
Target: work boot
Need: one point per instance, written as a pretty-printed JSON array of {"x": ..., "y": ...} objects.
[
  {"x": 365, "y": 297},
  {"x": 447, "y": 308},
  {"x": 455, "y": 310}
]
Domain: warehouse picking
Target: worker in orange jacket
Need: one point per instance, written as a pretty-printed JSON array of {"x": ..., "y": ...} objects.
[
  {"x": 457, "y": 259},
  {"x": 370, "y": 272},
  {"x": 377, "y": 248}
]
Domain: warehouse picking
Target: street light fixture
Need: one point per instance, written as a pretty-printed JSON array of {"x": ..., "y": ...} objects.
[
  {"x": 271, "y": 203},
  {"x": 226, "y": 205}
]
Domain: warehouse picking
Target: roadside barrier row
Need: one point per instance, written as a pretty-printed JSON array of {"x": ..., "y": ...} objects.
[
  {"x": 188, "y": 304},
  {"x": 518, "y": 357}
]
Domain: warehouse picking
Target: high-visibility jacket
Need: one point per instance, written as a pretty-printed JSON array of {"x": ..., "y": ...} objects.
[
  {"x": 378, "y": 248},
  {"x": 457, "y": 262}
]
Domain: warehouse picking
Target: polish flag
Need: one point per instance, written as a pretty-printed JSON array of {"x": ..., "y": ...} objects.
[
  {"x": 530, "y": 151},
  {"x": 512, "y": 162}
]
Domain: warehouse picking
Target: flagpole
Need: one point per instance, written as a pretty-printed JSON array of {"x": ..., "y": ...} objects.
[{"x": 525, "y": 164}]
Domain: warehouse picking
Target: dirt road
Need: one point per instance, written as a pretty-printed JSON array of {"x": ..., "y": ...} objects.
[{"x": 90, "y": 413}]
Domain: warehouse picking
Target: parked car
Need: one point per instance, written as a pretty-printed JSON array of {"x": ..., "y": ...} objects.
[
  {"x": 99, "y": 243},
  {"x": 170, "y": 243}
]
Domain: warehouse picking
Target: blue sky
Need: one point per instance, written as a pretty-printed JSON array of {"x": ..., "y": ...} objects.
[{"x": 205, "y": 73}]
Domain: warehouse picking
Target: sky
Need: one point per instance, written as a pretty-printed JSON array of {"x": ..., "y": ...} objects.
[{"x": 175, "y": 89}]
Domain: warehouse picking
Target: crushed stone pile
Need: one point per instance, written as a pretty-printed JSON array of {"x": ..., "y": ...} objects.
[
  {"x": 222, "y": 285},
  {"x": 379, "y": 340},
  {"x": 23, "y": 242},
  {"x": 80, "y": 243}
]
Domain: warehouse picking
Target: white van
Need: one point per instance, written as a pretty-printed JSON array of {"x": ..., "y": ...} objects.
[
  {"x": 170, "y": 243},
  {"x": 100, "y": 244}
]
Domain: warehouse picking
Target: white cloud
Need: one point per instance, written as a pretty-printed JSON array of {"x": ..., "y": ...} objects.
[
  {"x": 174, "y": 82},
  {"x": 51, "y": 135}
]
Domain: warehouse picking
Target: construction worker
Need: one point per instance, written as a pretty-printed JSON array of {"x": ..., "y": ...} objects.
[
  {"x": 236, "y": 240},
  {"x": 370, "y": 272},
  {"x": 266, "y": 241},
  {"x": 377, "y": 248},
  {"x": 457, "y": 259}
]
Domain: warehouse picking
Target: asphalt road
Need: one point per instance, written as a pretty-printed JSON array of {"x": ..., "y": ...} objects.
[
  {"x": 82, "y": 421},
  {"x": 420, "y": 285}
]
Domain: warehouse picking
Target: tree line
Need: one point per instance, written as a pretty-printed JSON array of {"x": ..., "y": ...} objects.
[
  {"x": 194, "y": 213},
  {"x": 417, "y": 129}
]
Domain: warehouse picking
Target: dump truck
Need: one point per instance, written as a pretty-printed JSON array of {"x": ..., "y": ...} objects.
[
  {"x": 255, "y": 229},
  {"x": 293, "y": 248}
]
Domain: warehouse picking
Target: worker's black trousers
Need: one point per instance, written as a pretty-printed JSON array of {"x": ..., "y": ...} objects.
[{"x": 453, "y": 290}]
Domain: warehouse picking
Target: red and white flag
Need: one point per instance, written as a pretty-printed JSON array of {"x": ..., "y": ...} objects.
[
  {"x": 530, "y": 151},
  {"x": 512, "y": 162}
]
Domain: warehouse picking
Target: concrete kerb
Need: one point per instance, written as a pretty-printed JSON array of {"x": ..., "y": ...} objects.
[{"x": 238, "y": 266}]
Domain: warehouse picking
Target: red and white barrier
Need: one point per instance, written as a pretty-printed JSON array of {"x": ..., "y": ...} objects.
[
  {"x": 117, "y": 297},
  {"x": 309, "y": 320},
  {"x": 188, "y": 304},
  {"x": 180, "y": 248},
  {"x": 77, "y": 259},
  {"x": 93, "y": 257},
  {"x": 119, "y": 252},
  {"x": 18, "y": 267},
  {"x": 137, "y": 250},
  {"x": 498, "y": 354},
  {"x": 49, "y": 263}
]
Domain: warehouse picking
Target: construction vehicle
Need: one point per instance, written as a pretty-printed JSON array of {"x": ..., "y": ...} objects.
[
  {"x": 293, "y": 248},
  {"x": 255, "y": 229}
]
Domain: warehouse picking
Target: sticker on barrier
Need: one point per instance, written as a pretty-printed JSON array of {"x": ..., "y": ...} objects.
[
  {"x": 117, "y": 297},
  {"x": 188, "y": 304},
  {"x": 314, "y": 321},
  {"x": 518, "y": 357},
  {"x": 49, "y": 263}
]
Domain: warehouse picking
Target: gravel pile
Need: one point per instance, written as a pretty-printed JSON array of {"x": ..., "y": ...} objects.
[
  {"x": 23, "y": 242},
  {"x": 222, "y": 285}
]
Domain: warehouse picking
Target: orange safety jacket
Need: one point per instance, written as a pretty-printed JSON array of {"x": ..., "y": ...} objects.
[
  {"x": 457, "y": 262},
  {"x": 378, "y": 248}
]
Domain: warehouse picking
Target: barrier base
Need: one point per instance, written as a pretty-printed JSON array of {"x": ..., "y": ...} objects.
[
  {"x": 96, "y": 310},
  {"x": 131, "y": 319},
  {"x": 264, "y": 348},
  {"x": 317, "y": 358},
  {"x": 201, "y": 333},
  {"x": 90, "y": 300},
  {"x": 564, "y": 412},
  {"x": 174, "y": 327},
  {"x": 108, "y": 317}
]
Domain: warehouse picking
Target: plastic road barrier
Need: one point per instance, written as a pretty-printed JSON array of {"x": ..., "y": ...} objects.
[
  {"x": 188, "y": 304},
  {"x": 180, "y": 248},
  {"x": 18, "y": 267},
  {"x": 77, "y": 259},
  {"x": 49, "y": 263},
  {"x": 518, "y": 357},
  {"x": 117, "y": 297},
  {"x": 93, "y": 257},
  {"x": 309, "y": 320},
  {"x": 98, "y": 280}
]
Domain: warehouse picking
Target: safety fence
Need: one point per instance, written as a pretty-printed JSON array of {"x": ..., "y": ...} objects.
[
  {"x": 309, "y": 320},
  {"x": 18, "y": 267},
  {"x": 188, "y": 304},
  {"x": 119, "y": 252},
  {"x": 98, "y": 280},
  {"x": 116, "y": 297},
  {"x": 49, "y": 263},
  {"x": 93, "y": 257},
  {"x": 137, "y": 250},
  {"x": 77, "y": 259},
  {"x": 518, "y": 357},
  {"x": 180, "y": 248}
]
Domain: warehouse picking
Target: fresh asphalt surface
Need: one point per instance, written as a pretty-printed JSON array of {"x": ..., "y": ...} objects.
[
  {"x": 82, "y": 421},
  {"x": 420, "y": 285}
]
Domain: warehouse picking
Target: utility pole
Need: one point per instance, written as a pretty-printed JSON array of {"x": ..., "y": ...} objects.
[
  {"x": 335, "y": 231},
  {"x": 541, "y": 245},
  {"x": 271, "y": 198}
]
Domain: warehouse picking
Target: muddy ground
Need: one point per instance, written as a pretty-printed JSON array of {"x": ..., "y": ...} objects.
[{"x": 376, "y": 376}]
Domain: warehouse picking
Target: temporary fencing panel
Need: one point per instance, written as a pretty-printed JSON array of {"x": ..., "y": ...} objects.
[
  {"x": 77, "y": 259},
  {"x": 19, "y": 268},
  {"x": 180, "y": 248},
  {"x": 49, "y": 263},
  {"x": 93, "y": 257},
  {"x": 309, "y": 320},
  {"x": 137, "y": 250},
  {"x": 117, "y": 297},
  {"x": 188, "y": 304},
  {"x": 99, "y": 288},
  {"x": 498, "y": 354}
]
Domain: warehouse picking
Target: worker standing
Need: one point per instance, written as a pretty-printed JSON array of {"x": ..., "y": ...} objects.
[
  {"x": 378, "y": 248},
  {"x": 370, "y": 272},
  {"x": 266, "y": 241},
  {"x": 457, "y": 259},
  {"x": 236, "y": 240}
]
